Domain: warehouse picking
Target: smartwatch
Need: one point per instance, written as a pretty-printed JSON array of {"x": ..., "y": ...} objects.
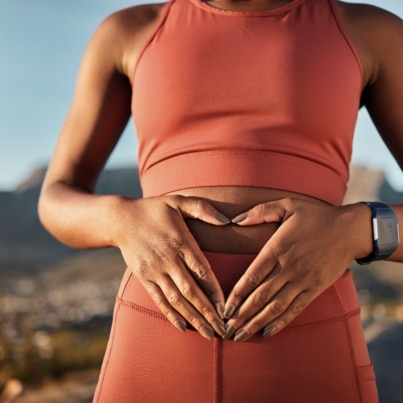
[{"x": 385, "y": 232}]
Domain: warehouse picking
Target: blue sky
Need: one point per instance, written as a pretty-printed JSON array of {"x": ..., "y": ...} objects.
[{"x": 41, "y": 44}]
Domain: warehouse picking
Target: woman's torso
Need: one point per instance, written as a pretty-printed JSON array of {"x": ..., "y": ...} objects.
[{"x": 233, "y": 200}]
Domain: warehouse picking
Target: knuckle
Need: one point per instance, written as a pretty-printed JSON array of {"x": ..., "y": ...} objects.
[
  {"x": 148, "y": 269},
  {"x": 158, "y": 300},
  {"x": 195, "y": 322},
  {"x": 252, "y": 280},
  {"x": 174, "y": 199},
  {"x": 287, "y": 205},
  {"x": 200, "y": 272},
  {"x": 176, "y": 243},
  {"x": 296, "y": 308},
  {"x": 207, "y": 312},
  {"x": 261, "y": 209},
  {"x": 173, "y": 298},
  {"x": 171, "y": 317},
  {"x": 196, "y": 206},
  {"x": 199, "y": 204},
  {"x": 289, "y": 202},
  {"x": 277, "y": 308},
  {"x": 237, "y": 298},
  {"x": 188, "y": 291},
  {"x": 260, "y": 298},
  {"x": 318, "y": 282},
  {"x": 139, "y": 271}
]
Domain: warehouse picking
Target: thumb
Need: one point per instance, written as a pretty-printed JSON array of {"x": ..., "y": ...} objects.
[
  {"x": 262, "y": 213},
  {"x": 200, "y": 209}
]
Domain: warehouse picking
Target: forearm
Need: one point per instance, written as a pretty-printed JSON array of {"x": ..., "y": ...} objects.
[{"x": 78, "y": 218}]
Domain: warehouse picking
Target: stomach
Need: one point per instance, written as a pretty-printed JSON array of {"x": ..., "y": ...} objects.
[{"x": 232, "y": 201}]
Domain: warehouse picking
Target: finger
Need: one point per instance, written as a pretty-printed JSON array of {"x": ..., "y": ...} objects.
[
  {"x": 263, "y": 269},
  {"x": 253, "y": 305},
  {"x": 194, "y": 301},
  {"x": 200, "y": 209},
  {"x": 266, "y": 212},
  {"x": 280, "y": 312},
  {"x": 161, "y": 302},
  {"x": 198, "y": 266},
  {"x": 174, "y": 306},
  {"x": 181, "y": 254},
  {"x": 275, "y": 308},
  {"x": 293, "y": 310}
]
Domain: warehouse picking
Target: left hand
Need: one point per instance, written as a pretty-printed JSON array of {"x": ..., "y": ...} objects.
[{"x": 311, "y": 249}]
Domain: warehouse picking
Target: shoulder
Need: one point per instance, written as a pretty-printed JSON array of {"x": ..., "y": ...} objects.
[
  {"x": 370, "y": 18},
  {"x": 123, "y": 33},
  {"x": 377, "y": 34},
  {"x": 135, "y": 17}
]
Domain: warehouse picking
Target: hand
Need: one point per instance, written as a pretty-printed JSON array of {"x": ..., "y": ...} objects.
[
  {"x": 162, "y": 253},
  {"x": 311, "y": 249}
]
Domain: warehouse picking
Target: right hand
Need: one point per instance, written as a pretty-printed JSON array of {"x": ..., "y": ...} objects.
[{"x": 162, "y": 253}]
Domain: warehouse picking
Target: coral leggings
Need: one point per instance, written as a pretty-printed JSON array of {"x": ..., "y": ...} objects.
[{"x": 321, "y": 357}]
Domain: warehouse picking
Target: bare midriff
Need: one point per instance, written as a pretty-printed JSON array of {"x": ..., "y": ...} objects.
[{"x": 232, "y": 201}]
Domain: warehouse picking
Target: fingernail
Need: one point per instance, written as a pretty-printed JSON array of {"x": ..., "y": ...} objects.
[
  {"x": 180, "y": 325},
  {"x": 268, "y": 331},
  {"x": 207, "y": 332},
  {"x": 241, "y": 336},
  {"x": 229, "y": 332},
  {"x": 229, "y": 311},
  {"x": 219, "y": 327},
  {"x": 221, "y": 217},
  {"x": 220, "y": 310},
  {"x": 239, "y": 218}
]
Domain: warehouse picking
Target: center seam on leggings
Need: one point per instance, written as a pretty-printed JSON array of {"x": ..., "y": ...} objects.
[{"x": 217, "y": 352}]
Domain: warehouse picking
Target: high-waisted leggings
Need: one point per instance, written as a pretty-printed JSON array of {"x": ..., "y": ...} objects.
[{"x": 321, "y": 357}]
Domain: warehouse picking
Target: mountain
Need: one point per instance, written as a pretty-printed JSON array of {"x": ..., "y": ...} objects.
[
  {"x": 367, "y": 184},
  {"x": 53, "y": 284},
  {"x": 24, "y": 244}
]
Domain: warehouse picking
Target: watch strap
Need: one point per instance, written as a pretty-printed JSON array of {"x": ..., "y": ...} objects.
[{"x": 385, "y": 232}]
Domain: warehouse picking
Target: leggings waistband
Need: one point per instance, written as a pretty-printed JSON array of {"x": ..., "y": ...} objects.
[{"x": 338, "y": 300}]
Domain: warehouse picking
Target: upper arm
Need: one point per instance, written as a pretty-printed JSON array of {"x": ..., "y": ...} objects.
[
  {"x": 383, "y": 95},
  {"x": 101, "y": 104}
]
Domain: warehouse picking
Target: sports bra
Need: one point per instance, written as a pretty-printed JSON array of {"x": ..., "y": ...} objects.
[{"x": 263, "y": 99}]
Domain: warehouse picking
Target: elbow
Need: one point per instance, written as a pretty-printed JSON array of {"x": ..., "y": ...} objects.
[
  {"x": 50, "y": 216},
  {"x": 44, "y": 213},
  {"x": 41, "y": 209}
]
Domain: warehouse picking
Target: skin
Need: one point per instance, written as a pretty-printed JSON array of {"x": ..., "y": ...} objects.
[{"x": 161, "y": 238}]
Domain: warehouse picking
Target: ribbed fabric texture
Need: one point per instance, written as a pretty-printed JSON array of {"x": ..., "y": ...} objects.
[{"x": 266, "y": 99}]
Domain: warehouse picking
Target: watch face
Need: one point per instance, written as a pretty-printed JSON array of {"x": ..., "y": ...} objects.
[{"x": 387, "y": 233}]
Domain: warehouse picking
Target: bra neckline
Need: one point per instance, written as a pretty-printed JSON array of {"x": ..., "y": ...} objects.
[{"x": 265, "y": 13}]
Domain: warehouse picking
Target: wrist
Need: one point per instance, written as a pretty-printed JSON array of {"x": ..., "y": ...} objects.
[
  {"x": 360, "y": 230},
  {"x": 117, "y": 211},
  {"x": 384, "y": 231}
]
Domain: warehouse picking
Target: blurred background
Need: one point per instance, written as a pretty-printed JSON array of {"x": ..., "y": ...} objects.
[{"x": 56, "y": 303}]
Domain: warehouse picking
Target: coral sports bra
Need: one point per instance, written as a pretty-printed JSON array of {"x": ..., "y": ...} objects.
[{"x": 264, "y": 99}]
